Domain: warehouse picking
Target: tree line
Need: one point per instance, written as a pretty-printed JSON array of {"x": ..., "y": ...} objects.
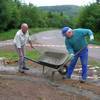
[
  {"x": 13, "y": 13},
  {"x": 89, "y": 17}
]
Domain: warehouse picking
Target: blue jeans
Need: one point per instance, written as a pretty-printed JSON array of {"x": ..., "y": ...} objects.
[{"x": 83, "y": 55}]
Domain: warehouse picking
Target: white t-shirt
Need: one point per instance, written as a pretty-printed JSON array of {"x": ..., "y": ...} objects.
[{"x": 21, "y": 39}]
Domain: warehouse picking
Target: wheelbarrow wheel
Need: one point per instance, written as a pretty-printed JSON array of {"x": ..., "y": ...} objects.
[{"x": 62, "y": 70}]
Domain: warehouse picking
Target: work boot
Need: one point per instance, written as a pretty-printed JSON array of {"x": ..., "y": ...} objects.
[
  {"x": 82, "y": 81},
  {"x": 21, "y": 70},
  {"x": 25, "y": 68}
]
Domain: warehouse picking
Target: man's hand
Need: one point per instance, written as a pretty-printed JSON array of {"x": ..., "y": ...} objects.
[
  {"x": 91, "y": 37},
  {"x": 70, "y": 57},
  {"x": 32, "y": 46}
]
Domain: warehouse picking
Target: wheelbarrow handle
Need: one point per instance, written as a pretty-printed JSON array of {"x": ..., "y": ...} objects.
[
  {"x": 31, "y": 59},
  {"x": 79, "y": 51},
  {"x": 82, "y": 48}
]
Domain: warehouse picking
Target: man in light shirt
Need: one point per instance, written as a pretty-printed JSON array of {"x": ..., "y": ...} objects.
[{"x": 20, "y": 40}]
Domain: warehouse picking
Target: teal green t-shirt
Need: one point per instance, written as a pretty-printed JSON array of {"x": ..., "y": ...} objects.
[{"x": 77, "y": 41}]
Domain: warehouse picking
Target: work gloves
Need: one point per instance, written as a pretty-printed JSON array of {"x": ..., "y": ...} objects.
[
  {"x": 91, "y": 37},
  {"x": 70, "y": 57}
]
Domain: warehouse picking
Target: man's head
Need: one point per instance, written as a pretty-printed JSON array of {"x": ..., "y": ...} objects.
[
  {"x": 24, "y": 28},
  {"x": 67, "y": 31}
]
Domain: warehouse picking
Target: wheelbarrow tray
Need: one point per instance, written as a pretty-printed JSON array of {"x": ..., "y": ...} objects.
[{"x": 51, "y": 59}]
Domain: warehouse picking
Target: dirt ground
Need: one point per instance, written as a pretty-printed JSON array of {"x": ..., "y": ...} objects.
[
  {"x": 36, "y": 89},
  {"x": 36, "y": 86}
]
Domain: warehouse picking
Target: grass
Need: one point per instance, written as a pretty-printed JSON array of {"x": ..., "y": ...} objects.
[
  {"x": 9, "y": 54},
  {"x": 33, "y": 54},
  {"x": 7, "y": 35},
  {"x": 97, "y": 39},
  {"x": 11, "y": 33},
  {"x": 12, "y": 55}
]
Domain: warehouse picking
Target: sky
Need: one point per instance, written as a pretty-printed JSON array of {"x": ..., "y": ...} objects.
[{"x": 58, "y": 2}]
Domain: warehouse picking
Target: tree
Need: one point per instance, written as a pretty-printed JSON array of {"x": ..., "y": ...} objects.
[
  {"x": 14, "y": 13},
  {"x": 30, "y": 15},
  {"x": 4, "y": 16},
  {"x": 90, "y": 17},
  {"x": 9, "y": 15}
]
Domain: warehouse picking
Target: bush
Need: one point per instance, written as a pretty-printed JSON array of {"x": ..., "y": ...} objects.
[
  {"x": 13, "y": 13},
  {"x": 90, "y": 17}
]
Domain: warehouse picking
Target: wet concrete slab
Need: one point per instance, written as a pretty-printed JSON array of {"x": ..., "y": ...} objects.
[{"x": 93, "y": 77}]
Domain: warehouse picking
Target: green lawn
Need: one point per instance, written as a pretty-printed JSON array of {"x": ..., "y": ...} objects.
[
  {"x": 12, "y": 55},
  {"x": 11, "y": 33}
]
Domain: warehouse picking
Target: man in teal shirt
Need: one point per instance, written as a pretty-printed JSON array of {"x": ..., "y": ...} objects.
[{"x": 77, "y": 47}]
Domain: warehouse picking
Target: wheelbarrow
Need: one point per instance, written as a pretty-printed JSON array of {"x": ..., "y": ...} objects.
[{"x": 55, "y": 60}]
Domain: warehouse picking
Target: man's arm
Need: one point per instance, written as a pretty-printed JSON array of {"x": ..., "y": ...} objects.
[
  {"x": 70, "y": 50},
  {"x": 30, "y": 42},
  {"x": 86, "y": 32},
  {"x": 68, "y": 47}
]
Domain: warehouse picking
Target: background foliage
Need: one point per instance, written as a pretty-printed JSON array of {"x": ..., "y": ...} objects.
[{"x": 13, "y": 13}]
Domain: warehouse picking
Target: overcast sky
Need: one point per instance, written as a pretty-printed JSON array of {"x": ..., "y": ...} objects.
[{"x": 58, "y": 2}]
